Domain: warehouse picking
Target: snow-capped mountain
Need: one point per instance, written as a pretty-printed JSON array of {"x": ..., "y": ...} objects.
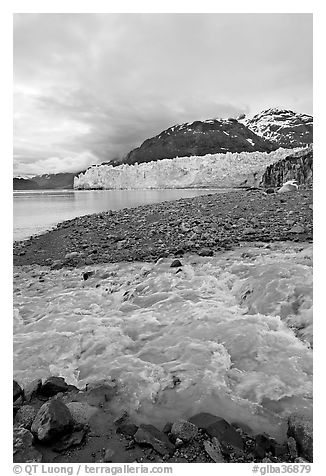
[
  {"x": 199, "y": 138},
  {"x": 283, "y": 127}
]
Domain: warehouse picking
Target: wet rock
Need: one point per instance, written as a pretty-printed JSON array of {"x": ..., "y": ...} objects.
[
  {"x": 149, "y": 435},
  {"x": 167, "y": 428},
  {"x": 214, "y": 450},
  {"x": 23, "y": 450},
  {"x": 52, "y": 421},
  {"x": 32, "y": 389},
  {"x": 81, "y": 412},
  {"x": 124, "y": 425},
  {"x": 301, "y": 429},
  {"x": 176, "y": 263},
  {"x": 52, "y": 386},
  {"x": 184, "y": 430},
  {"x": 68, "y": 441},
  {"x": 263, "y": 444},
  {"x": 25, "y": 416},
  {"x": 99, "y": 395},
  {"x": 218, "y": 427},
  {"x": 292, "y": 447},
  {"x": 17, "y": 390}
]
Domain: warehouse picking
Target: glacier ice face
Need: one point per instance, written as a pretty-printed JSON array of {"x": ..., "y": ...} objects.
[{"x": 209, "y": 171}]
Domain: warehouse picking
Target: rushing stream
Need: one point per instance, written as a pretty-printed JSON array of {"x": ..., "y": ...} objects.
[{"x": 230, "y": 334}]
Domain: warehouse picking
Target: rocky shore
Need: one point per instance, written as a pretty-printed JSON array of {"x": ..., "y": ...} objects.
[
  {"x": 56, "y": 422},
  {"x": 200, "y": 225}
]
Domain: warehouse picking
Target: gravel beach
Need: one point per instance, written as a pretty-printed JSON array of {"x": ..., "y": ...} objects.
[{"x": 202, "y": 225}]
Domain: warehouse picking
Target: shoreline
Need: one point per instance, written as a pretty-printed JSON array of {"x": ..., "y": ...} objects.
[{"x": 202, "y": 225}]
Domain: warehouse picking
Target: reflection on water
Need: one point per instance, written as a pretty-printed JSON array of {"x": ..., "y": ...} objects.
[
  {"x": 234, "y": 330},
  {"x": 37, "y": 211}
]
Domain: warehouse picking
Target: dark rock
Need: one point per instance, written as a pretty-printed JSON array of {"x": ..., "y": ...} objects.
[
  {"x": 25, "y": 416},
  {"x": 263, "y": 444},
  {"x": 17, "y": 390},
  {"x": 87, "y": 275},
  {"x": 184, "y": 430},
  {"x": 167, "y": 428},
  {"x": 52, "y": 386},
  {"x": 23, "y": 450},
  {"x": 270, "y": 190},
  {"x": 99, "y": 395},
  {"x": 32, "y": 389},
  {"x": 74, "y": 439},
  {"x": 205, "y": 252},
  {"x": 218, "y": 427},
  {"x": 176, "y": 264},
  {"x": 52, "y": 421},
  {"x": 149, "y": 435},
  {"x": 125, "y": 426},
  {"x": 301, "y": 429},
  {"x": 292, "y": 447}
]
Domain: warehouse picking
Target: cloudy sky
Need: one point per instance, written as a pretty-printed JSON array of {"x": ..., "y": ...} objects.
[{"x": 91, "y": 87}]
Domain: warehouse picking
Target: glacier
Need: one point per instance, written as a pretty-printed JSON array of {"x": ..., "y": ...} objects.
[{"x": 208, "y": 171}]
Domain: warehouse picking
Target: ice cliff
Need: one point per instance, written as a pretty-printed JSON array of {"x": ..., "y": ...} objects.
[{"x": 209, "y": 171}]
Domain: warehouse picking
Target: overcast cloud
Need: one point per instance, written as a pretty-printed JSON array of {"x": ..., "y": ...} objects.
[{"x": 91, "y": 87}]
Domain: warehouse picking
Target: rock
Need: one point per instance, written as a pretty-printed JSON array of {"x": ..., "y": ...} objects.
[
  {"x": 87, "y": 275},
  {"x": 57, "y": 264},
  {"x": 300, "y": 427},
  {"x": 218, "y": 427},
  {"x": 213, "y": 449},
  {"x": 23, "y": 450},
  {"x": 263, "y": 444},
  {"x": 72, "y": 255},
  {"x": 176, "y": 263},
  {"x": 205, "y": 252},
  {"x": 292, "y": 447},
  {"x": 99, "y": 395},
  {"x": 124, "y": 425},
  {"x": 52, "y": 421},
  {"x": 81, "y": 412},
  {"x": 184, "y": 430},
  {"x": 297, "y": 229},
  {"x": 270, "y": 190},
  {"x": 149, "y": 435},
  {"x": 74, "y": 439},
  {"x": 178, "y": 442},
  {"x": 52, "y": 386},
  {"x": 17, "y": 390},
  {"x": 167, "y": 428},
  {"x": 32, "y": 389},
  {"x": 25, "y": 416},
  {"x": 248, "y": 231}
]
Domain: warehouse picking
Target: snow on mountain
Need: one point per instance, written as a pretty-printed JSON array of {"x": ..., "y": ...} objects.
[
  {"x": 282, "y": 127},
  {"x": 199, "y": 138},
  {"x": 212, "y": 170}
]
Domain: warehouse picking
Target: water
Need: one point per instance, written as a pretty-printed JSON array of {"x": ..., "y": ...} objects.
[
  {"x": 38, "y": 211},
  {"x": 234, "y": 331}
]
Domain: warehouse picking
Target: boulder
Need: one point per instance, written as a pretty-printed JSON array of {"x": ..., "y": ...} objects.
[
  {"x": 301, "y": 429},
  {"x": 218, "y": 427},
  {"x": 17, "y": 390},
  {"x": 52, "y": 386},
  {"x": 32, "y": 389},
  {"x": 184, "y": 430},
  {"x": 52, "y": 421},
  {"x": 176, "y": 263},
  {"x": 68, "y": 441},
  {"x": 23, "y": 450},
  {"x": 214, "y": 450},
  {"x": 263, "y": 444},
  {"x": 25, "y": 416},
  {"x": 124, "y": 425},
  {"x": 151, "y": 436}
]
